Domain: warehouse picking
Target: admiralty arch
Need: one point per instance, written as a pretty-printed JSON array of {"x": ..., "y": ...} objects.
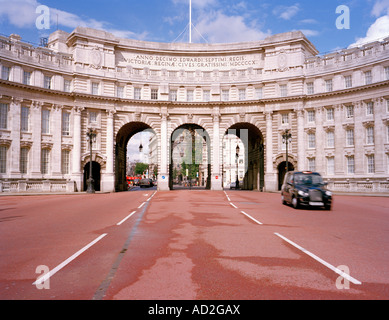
[{"x": 336, "y": 107}]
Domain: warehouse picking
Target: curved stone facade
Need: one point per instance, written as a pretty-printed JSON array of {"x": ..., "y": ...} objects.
[{"x": 336, "y": 106}]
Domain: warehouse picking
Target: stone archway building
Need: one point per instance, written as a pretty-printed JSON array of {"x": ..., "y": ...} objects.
[{"x": 336, "y": 106}]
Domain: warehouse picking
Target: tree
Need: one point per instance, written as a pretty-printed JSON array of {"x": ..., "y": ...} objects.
[{"x": 140, "y": 168}]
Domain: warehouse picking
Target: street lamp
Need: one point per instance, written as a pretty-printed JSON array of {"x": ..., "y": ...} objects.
[
  {"x": 237, "y": 161},
  {"x": 91, "y": 137},
  {"x": 286, "y": 139}
]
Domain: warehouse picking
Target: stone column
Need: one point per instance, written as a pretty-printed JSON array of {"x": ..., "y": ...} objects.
[
  {"x": 76, "y": 164},
  {"x": 36, "y": 130},
  {"x": 300, "y": 140},
  {"x": 108, "y": 178},
  {"x": 163, "y": 172},
  {"x": 216, "y": 177},
  {"x": 270, "y": 175},
  {"x": 15, "y": 111},
  {"x": 380, "y": 133},
  {"x": 56, "y": 155}
]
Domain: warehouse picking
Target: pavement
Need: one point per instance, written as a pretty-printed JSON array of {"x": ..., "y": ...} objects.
[{"x": 192, "y": 245}]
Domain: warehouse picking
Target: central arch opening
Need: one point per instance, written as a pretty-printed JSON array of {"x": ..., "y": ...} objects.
[
  {"x": 143, "y": 154},
  {"x": 190, "y": 154},
  {"x": 243, "y": 167}
]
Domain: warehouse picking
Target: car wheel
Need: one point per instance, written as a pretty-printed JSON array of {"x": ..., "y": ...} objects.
[
  {"x": 328, "y": 207},
  {"x": 283, "y": 199},
  {"x": 295, "y": 203}
]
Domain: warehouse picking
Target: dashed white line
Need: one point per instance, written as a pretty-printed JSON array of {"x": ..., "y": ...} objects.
[
  {"x": 233, "y": 205},
  {"x": 141, "y": 205},
  {"x": 125, "y": 219},
  {"x": 336, "y": 270},
  {"x": 48, "y": 275},
  {"x": 250, "y": 217}
]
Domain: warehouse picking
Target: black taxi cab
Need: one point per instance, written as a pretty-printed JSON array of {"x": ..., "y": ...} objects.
[{"x": 305, "y": 188}]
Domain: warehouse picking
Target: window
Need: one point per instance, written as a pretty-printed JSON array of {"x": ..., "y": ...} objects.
[
  {"x": 350, "y": 137},
  {"x": 154, "y": 94},
  {"x": 207, "y": 95},
  {"x": 225, "y": 95},
  {"x": 67, "y": 85},
  {"x": 370, "y": 135},
  {"x": 370, "y": 164},
  {"x": 311, "y": 140},
  {"x": 65, "y": 164},
  {"x": 328, "y": 85},
  {"x": 350, "y": 165},
  {"x": 285, "y": 118},
  {"x": 348, "y": 81},
  {"x": 65, "y": 123},
  {"x": 330, "y": 165},
  {"x": 312, "y": 164},
  {"x": 311, "y": 116},
  {"x": 259, "y": 93},
  {"x": 92, "y": 117},
  {"x": 24, "y": 160},
  {"x": 47, "y": 82},
  {"x": 3, "y": 159},
  {"x": 5, "y": 72},
  {"x": 189, "y": 95},
  {"x": 46, "y": 121},
  {"x": 368, "y": 77},
  {"x": 330, "y": 139},
  {"x": 95, "y": 88},
  {"x": 310, "y": 88},
  {"x": 120, "y": 92},
  {"x": 242, "y": 94},
  {"x": 24, "y": 121},
  {"x": 45, "y": 161},
  {"x": 387, "y": 133},
  {"x": 137, "y": 93},
  {"x": 173, "y": 95},
  {"x": 370, "y": 108},
  {"x": 27, "y": 78},
  {"x": 283, "y": 90},
  {"x": 330, "y": 114},
  {"x": 3, "y": 116},
  {"x": 386, "y": 73},
  {"x": 349, "y": 112}
]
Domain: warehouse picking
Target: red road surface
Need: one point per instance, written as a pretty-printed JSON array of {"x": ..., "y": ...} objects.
[{"x": 195, "y": 245}]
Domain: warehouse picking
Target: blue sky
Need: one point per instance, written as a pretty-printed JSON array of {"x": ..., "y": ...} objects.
[{"x": 216, "y": 20}]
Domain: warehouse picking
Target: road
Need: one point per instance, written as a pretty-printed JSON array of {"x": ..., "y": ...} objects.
[{"x": 191, "y": 245}]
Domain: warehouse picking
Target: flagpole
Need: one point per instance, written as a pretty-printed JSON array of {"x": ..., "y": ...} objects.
[{"x": 190, "y": 21}]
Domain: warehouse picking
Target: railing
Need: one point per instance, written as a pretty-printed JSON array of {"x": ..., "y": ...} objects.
[
  {"x": 38, "y": 186},
  {"x": 359, "y": 186}
]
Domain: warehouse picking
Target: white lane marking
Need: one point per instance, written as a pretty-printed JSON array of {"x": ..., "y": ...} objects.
[
  {"x": 336, "y": 270},
  {"x": 248, "y": 216},
  {"x": 228, "y": 198},
  {"x": 233, "y": 205},
  {"x": 48, "y": 275},
  {"x": 141, "y": 205},
  {"x": 125, "y": 219}
]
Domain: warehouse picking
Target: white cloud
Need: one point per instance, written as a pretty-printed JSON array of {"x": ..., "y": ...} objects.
[
  {"x": 286, "y": 12},
  {"x": 380, "y": 28},
  {"x": 218, "y": 27},
  {"x": 377, "y": 31},
  {"x": 380, "y": 7},
  {"x": 22, "y": 14}
]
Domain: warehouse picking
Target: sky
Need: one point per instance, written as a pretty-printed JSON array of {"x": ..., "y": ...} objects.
[{"x": 214, "y": 21}]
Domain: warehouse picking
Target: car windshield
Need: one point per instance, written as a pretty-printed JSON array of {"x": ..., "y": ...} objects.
[{"x": 308, "y": 179}]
